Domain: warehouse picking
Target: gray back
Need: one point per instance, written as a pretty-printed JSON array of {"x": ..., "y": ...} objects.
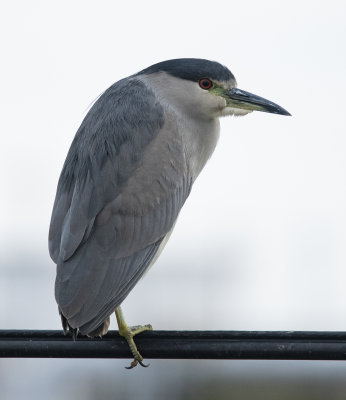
[{"x": 120, "y": 191}]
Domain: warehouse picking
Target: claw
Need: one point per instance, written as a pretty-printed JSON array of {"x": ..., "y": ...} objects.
[
  {"x": 128, "y": 333},
  {"x": 135, "y": 362},
  {"x": 143, "y": 365}
]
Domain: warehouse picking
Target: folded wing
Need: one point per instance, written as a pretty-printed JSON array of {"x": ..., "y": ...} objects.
[{"x": 121, "y": 189}]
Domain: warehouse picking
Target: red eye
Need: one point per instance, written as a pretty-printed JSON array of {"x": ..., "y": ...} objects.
[{"x": 205, "y": 83}]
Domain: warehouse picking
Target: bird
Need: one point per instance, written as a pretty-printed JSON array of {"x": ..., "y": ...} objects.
[{"x": 127, "y": 174}]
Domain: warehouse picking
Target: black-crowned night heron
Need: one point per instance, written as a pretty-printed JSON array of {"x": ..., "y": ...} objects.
[{"x": 127, "y": 174}]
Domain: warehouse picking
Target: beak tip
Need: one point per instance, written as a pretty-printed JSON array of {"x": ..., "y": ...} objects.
[{"x": 286, "y": 113}]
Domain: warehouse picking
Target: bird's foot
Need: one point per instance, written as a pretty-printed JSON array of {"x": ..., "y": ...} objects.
[{"x": 128, "y": 332}]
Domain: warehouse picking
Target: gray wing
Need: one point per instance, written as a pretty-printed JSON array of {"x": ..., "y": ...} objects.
[{"x": 120, "y": 191}]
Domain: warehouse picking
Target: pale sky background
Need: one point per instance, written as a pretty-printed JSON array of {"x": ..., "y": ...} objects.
[{"x": 260, "y": 243}]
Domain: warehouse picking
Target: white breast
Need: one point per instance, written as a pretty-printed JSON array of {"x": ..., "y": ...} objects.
[{"x": 199, "y": 139}]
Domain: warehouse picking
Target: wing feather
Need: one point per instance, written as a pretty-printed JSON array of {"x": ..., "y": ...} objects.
[{"x": 123, "y": 184}]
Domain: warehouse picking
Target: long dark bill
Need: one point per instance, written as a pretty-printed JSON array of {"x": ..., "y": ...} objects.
[{"x": 248, "y": 101}]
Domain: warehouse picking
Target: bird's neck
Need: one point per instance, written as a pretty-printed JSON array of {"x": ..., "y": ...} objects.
[
  {"x": 199, "y": 134},
  {"x": 199, "y": 139}
]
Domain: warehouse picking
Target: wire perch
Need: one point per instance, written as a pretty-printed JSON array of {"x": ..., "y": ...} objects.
[{"x": 218, "y": 345}]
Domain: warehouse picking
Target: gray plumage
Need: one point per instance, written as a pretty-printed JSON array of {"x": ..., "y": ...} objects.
[
  {"x": 103, "y": 237},
  {"x": 127, "y": 174}
]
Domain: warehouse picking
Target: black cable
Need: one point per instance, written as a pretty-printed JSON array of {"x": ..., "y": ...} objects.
[{"x": 219, "y": 345}]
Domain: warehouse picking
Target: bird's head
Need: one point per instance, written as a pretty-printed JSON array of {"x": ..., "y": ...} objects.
[{"x": 205, "y": 89}]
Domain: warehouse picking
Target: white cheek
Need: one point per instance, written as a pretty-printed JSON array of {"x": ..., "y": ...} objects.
[{"x": 237, "y": 112}]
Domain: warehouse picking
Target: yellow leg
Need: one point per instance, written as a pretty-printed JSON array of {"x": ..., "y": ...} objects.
[{"x": 128, "y": 332}]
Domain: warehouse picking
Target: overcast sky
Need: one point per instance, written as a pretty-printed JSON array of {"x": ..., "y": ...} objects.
[
  {"x": 260, "y": 243},
  {"x": 266, "y": 218}
]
